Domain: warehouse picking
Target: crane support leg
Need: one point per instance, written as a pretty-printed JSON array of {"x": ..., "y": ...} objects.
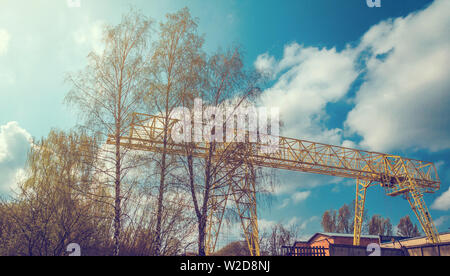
[
  {"x": 245, "y": 198},
  {"x": 361, "y": 190},
  {"x": 215, "y": 219},
  {"x": 420, "y": 209}
]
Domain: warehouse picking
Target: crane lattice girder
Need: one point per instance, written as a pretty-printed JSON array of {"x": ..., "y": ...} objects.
[
  {"x": 397, "y": 175},
  {"x": 299, "y": 155}
]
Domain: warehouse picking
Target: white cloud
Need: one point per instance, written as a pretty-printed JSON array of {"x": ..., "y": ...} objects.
[
  {"x": 349, "y": 144},
  {"x": 285, "y": 203},
  {"x": 91, "y": 35},
  {"x": 443, "y": 202},
  {"x": 266, "y": 225},
  {"x": 265, "y": 64},
  {"x": 404, "y": 100},
  {"x": 291, "y": 181},
  {"x": 439, "y": 164},
  {"x": 395, "y": 229},
  {"x": 308, "y": 79},
  {"x": 4, "y": 41},
  {"x": 300, "y": 196},
  {"x": 294, "y": 196},
  {"x": 14, "y": 145},
  {"x": 440, "y": 221},
  {"x": 305, "y": 223}
]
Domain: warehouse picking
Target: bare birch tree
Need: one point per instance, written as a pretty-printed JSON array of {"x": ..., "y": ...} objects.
[
  {"x": 107, "y": 92},
  {"x": 176, "y": 52},
  {"x": 223, "y": 81}
]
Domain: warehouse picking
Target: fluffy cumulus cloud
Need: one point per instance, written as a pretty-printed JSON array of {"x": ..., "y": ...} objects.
[
  {"x": 295, "y": 198},
  {"x": 265, "y": 64},
  {"x": 295, "y": 188},
  {"x": 307, "y": 79},
  {"x": 4, "y": 41},
  {"x": 14, "y": 145},
  {"x": 404, "y": 100},
  {"x": 443, "y": 202}
]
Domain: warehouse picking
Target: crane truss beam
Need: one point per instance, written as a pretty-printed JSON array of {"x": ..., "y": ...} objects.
[{"x": 398, "y": 175}]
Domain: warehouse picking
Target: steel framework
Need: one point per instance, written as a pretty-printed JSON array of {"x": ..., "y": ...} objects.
[{"x": 397, "y": 175}]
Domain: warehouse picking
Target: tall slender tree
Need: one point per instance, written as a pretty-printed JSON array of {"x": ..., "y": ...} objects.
[
  {"x": 108, "y": 91},
  {"x": 344, "y": 220},
  {"x": 329, "y": 221},
  {"x": 406, "y": 228},
  {"x": 380, "y": 226},
  {"x": 177, "y": 53},
  {"x": 225, "y": 81}
]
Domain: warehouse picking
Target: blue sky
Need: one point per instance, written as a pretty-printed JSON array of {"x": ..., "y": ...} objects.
[{"x": 343, "y": 73}]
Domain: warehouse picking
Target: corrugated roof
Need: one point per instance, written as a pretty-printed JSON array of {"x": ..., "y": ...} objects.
[
  {"x": 388, "y": 239},
  {"x": 406, "y": 239},
  {"x": 336, "y": 235},
  {"x": 347, "y": 235},
  {"x": 383, "y": 238}
]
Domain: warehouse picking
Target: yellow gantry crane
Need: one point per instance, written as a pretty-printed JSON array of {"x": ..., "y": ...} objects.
[{"x": 398, "y": 176}]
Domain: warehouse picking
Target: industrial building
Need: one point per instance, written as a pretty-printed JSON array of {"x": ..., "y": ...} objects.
[
  {"x": 421, "y": 246},
  {"x": 336, "y": 244}
]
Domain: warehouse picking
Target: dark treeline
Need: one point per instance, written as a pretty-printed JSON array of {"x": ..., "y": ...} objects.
[{"x": 342, "y": 221}]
